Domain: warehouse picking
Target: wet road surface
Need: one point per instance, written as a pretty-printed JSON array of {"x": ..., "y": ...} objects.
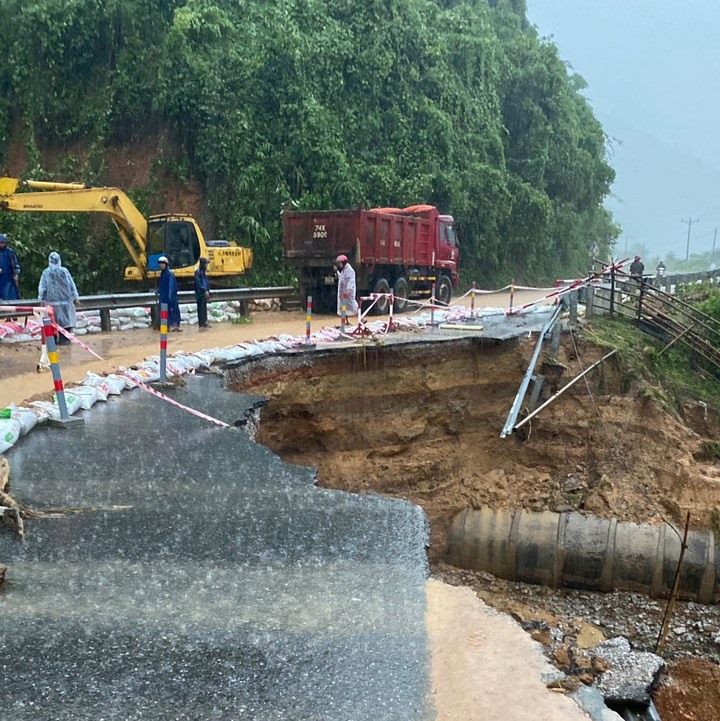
[{"x": 206, "y": 579}]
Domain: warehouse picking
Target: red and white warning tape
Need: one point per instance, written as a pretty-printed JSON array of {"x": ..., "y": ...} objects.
[{"x": 140, "y": 384}]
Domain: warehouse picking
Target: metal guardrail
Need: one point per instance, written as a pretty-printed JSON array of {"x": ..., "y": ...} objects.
[
  {"x": 520, "y": 396},
  {"x": 670, "y": 281},
  {"x": 106, "y": 303}
]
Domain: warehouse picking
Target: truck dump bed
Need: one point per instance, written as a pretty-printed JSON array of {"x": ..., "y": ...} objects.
[{"x": 377, "y": 236}]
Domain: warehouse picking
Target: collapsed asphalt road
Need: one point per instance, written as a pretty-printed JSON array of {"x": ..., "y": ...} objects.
[{"x": 215, "y": 581}]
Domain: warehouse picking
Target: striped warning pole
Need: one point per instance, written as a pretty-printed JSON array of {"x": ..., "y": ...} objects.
[
  {"x": 432, "y": 305},
  {"x": 343, "y": 319},
  {"x": 49, "y": 335},
  {"x": 472, "y": 300},
  {"x": 163, "y": 341},
  {"x": 308, "y": 322}
]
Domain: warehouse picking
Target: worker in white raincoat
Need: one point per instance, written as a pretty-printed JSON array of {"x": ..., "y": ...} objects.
[
  {"x": 57, "y": 288},
  {"x": 346, "y": 287}
]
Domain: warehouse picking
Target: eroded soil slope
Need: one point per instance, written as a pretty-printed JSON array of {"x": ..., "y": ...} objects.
[{"x": 423, "y": 421}]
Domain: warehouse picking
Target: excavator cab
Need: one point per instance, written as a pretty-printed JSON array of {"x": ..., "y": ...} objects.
[{"x": 176, "y": 238}]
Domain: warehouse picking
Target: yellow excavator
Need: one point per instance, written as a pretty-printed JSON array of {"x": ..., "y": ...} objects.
[{"x": 174, "y": 235}]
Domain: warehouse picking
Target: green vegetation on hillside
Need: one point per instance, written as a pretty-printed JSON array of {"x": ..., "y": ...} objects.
[
  {"x": 668, "y": 379},
  {"x": 327, "y": 103}
]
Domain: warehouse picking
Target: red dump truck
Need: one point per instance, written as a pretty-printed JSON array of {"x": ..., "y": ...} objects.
[{"x": 391, "y": 249}]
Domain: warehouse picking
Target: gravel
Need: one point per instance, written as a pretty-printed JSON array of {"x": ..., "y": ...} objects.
[{"x": 694, "y": 628}]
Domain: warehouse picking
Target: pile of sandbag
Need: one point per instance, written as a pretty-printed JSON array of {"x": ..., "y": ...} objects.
[
  {"x": 121, "y": 319},
  {"x": 14, "y": 332},
  {"x": 218, "y": 312}
]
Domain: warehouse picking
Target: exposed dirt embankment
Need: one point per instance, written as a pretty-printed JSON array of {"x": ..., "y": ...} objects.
[{"x": 423, "y": 421}]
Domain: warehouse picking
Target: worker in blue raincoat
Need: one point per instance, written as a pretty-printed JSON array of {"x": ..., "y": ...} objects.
[
  {"x": 57, "y": 288},
  {"x": 9, "y": 271},
  {"x": 346, "y": 287},
  {"x": 202, "y": 292},
  {"x": 168, "y": 292}
]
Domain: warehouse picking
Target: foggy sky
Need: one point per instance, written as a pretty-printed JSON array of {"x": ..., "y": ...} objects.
[{"x": 653, "y": 70}]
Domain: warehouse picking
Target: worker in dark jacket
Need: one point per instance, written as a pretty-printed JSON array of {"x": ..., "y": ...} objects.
[
  {"x": 637, "y": 268},
  {"x": 168, "y": 291},
  {"x": 9, "y": 271},
  {"x": 202, "y": 293}
]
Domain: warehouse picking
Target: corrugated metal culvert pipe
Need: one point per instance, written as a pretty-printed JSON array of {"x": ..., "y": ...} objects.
[{"x": 587, "y": 552}]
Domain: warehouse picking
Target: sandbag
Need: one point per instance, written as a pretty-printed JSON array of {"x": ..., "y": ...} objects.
[
  {"x": 27, "y": 419},
  {"x": 98, "y": 382},
  {"x": 116, "y": 384},
  {"x": 88, "y": 396},
  {"x": 72, "y": 401},
  {"x": 10, "y": 431}
]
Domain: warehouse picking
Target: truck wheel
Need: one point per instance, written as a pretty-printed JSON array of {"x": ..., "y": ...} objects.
[
  {"x": 401, "y": 291},
  {"x": 443, "y": 293},
  {"x": 382, "y": 307}
]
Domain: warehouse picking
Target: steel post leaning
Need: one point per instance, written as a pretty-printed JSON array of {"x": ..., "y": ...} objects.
[
  {"x": 163, "y": 341},
  {"x": 49, "y": 335}
]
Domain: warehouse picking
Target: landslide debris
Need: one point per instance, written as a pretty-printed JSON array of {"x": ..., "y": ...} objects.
[{"x": 422, "y": 422}]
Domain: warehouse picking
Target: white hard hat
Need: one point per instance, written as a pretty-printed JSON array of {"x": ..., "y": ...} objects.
[{"x": 163, "y": 259}]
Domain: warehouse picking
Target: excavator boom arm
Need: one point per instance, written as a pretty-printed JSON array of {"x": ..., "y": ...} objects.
[{"x": 77, "y": 198}]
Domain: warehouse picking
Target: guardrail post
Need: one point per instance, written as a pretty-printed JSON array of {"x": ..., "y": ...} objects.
[
  {"x": 512, "y": 294},
  {"x": 155, "y": 314},
  {"x": 573, "y": 305},
  {"x": 163, "y": 341},
  {"x": 65, "y": 419},
  {"x": 589, "y": 301},
  {"x": 105, "y": 319},
  {"x": 640, "y": 300},
  {"x": 472, "y": 301}
]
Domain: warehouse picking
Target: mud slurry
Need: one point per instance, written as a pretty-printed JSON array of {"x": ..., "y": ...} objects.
[{"x": 422, "y": 422}]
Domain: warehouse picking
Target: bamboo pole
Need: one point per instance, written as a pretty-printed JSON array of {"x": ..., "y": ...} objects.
[{"x": 667, "y": 617}]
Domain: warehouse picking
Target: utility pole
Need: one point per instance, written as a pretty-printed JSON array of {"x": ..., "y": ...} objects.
[{"x": 689, "y": 225}]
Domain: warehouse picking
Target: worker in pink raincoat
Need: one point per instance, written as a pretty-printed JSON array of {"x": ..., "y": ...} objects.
[{"x": 346, "y": 287}]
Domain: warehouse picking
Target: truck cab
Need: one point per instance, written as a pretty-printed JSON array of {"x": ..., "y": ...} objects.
[{"x": 448, "y": 251}]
